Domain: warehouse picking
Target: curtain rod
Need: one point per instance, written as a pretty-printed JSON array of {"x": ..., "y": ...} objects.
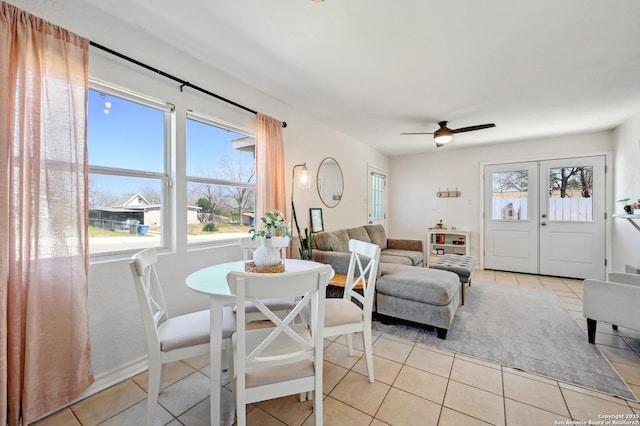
[{"x": 182, "y": 82}]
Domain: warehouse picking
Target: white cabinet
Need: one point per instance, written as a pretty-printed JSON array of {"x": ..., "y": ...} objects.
[{"x": 444, "y": 241}]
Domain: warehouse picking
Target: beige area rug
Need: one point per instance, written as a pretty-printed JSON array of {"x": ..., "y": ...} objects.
[{"x": 523, "y": 328}]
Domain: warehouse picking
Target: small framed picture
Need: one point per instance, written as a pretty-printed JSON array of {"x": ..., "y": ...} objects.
[
  {"x": 316, "y": 220},
  {"x": 439, "y": 251}
]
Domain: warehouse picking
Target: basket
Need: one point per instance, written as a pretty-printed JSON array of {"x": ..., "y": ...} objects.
[{"x": 251, "y": 267}]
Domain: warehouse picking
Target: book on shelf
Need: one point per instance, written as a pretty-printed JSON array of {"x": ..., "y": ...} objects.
[{"x": 437, "y": 238}]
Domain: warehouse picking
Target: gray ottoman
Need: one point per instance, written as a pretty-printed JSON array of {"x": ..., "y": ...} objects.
[
  {"x": 416, "y": 294},
  {"x": 462, "y": 265}
]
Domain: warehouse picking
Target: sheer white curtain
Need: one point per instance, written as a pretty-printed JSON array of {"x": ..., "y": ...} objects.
[{"x": 44, "y": 339}]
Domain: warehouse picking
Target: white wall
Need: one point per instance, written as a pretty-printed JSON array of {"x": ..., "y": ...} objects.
[
  {"x": 116, "y": 332},
  {"x": 626, "y": 183},
  {"x": 415, "y": 179},
  {"x": 310, "y": 142}
]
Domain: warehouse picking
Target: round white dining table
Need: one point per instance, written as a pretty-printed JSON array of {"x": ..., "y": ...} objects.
[{"x": 212, "y": 281}]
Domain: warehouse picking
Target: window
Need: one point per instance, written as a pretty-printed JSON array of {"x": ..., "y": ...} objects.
[
  {"x": 128, "y": 140},
  {"x": 570, "y": 194},
  {"x": 510, "y": 195},
  {"x": 220, "y": 180},
  {"x": 377, "y": 196}
]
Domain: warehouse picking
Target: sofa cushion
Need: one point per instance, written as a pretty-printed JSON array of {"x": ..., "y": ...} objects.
[
  {"x": 460, "y": 264},
  {"x": 430, "y": 286},
  {"x": 405, "y": 257},
  {"x": 377, "y": 235},
  {"x": 333, "y": 241},
  {"x": 400, "y": 260},
  {"x": 359, "y": 233}
]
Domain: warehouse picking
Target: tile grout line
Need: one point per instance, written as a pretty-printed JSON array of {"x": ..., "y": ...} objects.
[{"x": 520, "y": 282}]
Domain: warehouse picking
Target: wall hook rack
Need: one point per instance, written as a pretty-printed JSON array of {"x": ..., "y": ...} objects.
[{"x": 449, "y": 194}]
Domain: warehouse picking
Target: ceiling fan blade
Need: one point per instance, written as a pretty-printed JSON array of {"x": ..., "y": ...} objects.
[
  {"x": 472, "y": 128},
  {"x": 416, "y": 133}
]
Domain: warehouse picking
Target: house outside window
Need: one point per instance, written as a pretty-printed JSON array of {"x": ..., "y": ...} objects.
[
  {"x": 220, "y": 180},
  {"x": 128, "y": 148}
]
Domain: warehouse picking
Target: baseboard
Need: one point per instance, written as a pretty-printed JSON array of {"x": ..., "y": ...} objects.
[
  {"x": 106, "y": 380},
  {"x": 110, "y": 378}
]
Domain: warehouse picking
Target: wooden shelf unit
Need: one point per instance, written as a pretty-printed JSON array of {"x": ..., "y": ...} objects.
[{"x": 446, "y": 241}]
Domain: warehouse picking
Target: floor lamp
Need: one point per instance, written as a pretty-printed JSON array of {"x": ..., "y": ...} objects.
[{"x": 303, "y": 182}]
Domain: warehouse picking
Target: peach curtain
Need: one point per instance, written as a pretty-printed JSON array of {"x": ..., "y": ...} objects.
[
  {"x": 44, "y": 338},
  {"x": 270, "y": 183}
]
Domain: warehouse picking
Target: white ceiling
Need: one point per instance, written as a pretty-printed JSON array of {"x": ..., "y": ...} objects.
[{"x": 376, "y": 68}]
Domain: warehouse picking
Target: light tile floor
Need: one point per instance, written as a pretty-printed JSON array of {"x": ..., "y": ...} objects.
[{"x": 415, "y": 385}]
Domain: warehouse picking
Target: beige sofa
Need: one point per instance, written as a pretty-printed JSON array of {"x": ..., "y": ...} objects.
[{"x": 333, "y": 247}]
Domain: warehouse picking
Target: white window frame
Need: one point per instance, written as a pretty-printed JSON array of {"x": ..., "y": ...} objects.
[
  {"x": 206, "y": 119},
  {"x": 166, "y": 182}
]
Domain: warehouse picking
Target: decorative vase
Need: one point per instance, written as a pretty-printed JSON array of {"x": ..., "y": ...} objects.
[{"x": 265, "y": 255}]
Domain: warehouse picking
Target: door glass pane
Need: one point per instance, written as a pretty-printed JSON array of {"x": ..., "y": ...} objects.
[
  {"x": 510, "y": 195},
  {"x": 570, "y": 194}
]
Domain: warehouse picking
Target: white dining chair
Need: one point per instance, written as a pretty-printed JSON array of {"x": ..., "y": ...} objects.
[
  {"x": 170, "y": 338},
  {"x": 280, "y": 305},
  {"x": 343, "y": 316},
  {"x": 285, "y": 359}
]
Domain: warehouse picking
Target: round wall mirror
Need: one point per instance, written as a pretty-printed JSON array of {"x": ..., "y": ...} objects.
[{"x": 330, "y": 183}]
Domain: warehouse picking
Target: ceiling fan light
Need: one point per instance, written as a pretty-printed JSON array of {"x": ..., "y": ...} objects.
[
  {"x": 443, "y": 135},
  {"x": 443, "y": 138}
]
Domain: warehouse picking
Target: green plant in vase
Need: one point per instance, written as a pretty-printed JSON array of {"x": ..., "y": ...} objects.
[{"x": 274, "y": 224}]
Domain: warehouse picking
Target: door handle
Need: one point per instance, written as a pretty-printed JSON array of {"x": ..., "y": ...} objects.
[
  {"x": 543, "y": 223},
  {"x": 544, "y": 215}
]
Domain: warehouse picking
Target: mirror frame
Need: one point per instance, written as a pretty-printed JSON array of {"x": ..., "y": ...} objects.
[{"x": 335, "y": 200}]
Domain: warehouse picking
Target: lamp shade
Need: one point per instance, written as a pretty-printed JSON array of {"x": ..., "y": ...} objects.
[
  {"x": 443, "y": 136},
  {"x": 303, "y": 178}
]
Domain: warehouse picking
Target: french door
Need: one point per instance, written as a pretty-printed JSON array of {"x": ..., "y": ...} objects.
[{"x": 546, "y": 217}]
